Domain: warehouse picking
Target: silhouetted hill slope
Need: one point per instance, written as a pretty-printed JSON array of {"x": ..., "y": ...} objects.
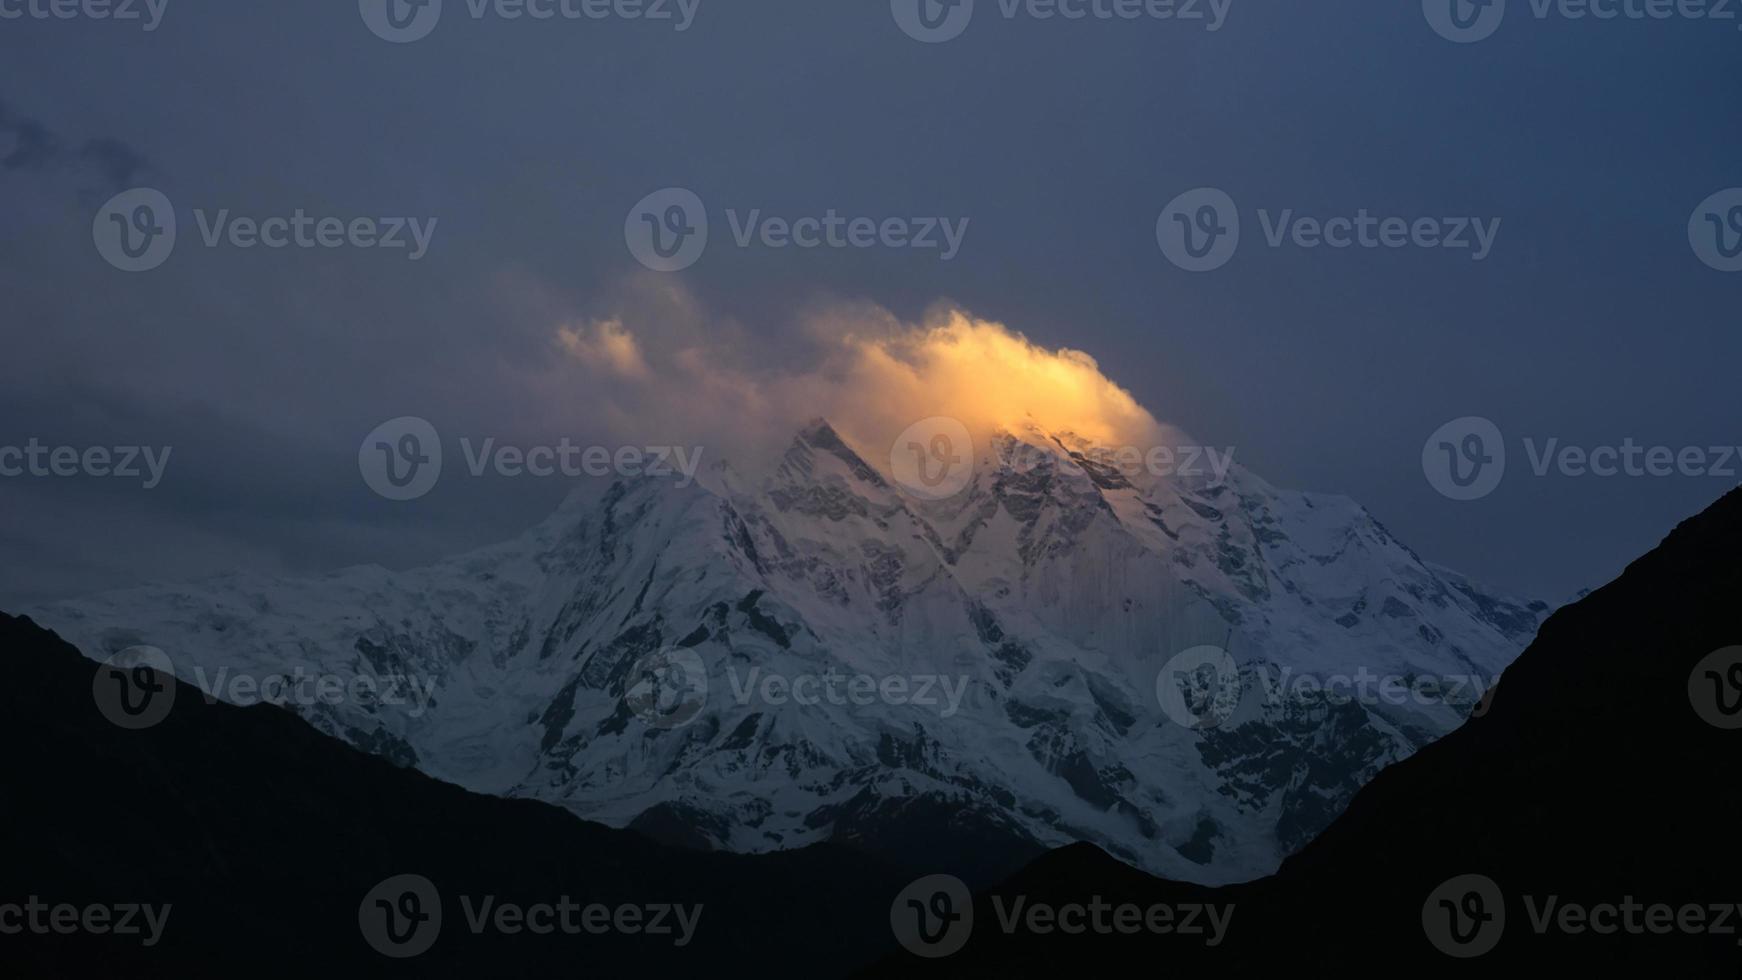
[
  {"x": 264, "y": 837},
  {"x": 1591, "y": 778}
]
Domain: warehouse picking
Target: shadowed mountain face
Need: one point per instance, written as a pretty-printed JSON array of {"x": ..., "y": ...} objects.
[
  {"x": 1601, "y": 781},
  {"x": 866, "y": 657},
  {"x": 264, "y": 836},
  {"x": 1598, "y": 800}
]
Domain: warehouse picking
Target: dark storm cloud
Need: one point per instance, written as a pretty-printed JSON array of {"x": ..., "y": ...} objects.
[
  {"x": 117, "y": 162},
  {"x": 530, "y": 140},
  {"x": 29, "y": 145}
]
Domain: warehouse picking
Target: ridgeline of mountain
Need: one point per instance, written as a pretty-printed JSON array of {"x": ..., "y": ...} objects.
[
  {"x": 264, "y": 837},
  {"x": 1593, "y": 778},
  {"x": 1022, "y": 623},
  {"x": 1595, "y": 782}
]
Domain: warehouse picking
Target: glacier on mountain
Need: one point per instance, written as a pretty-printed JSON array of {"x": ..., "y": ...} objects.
[{"x": 845, "y": 651}]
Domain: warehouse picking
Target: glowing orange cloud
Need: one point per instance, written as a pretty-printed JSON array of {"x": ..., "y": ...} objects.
[{"x": 664, "y": 370}]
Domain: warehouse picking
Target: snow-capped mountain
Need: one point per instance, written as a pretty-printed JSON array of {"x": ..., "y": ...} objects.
[{"x": 762, "y": 664}]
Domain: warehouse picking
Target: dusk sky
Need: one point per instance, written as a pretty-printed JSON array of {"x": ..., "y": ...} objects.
[{"x": 1591, "y": 316}]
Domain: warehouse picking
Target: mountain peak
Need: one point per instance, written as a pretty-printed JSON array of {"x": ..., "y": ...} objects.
[
  {"x": 819, "y": 438},
  {"x": 818, "y": 428},
  {"x": 1046, "y": 592}
]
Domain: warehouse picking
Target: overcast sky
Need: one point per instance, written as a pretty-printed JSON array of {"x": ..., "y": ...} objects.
[{"x": 1590, "y": 317}]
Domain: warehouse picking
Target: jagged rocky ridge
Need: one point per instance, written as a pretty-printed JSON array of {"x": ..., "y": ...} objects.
[{"x": 1046, "y": 596}]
